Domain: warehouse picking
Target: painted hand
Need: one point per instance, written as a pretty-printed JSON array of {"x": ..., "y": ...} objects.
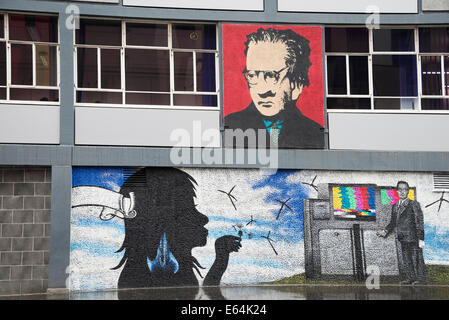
[
  {"x": 227, "y": 244},
  {"x": 381, "y": 233}
]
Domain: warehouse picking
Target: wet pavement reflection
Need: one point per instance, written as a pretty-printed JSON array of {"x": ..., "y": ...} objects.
[{"x": 303, "y": 292}]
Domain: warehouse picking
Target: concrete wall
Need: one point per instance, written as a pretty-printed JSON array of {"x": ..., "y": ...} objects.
[
  {"x": 388, "y": 131},
  {"x": 18, "y": 124},
  {"x": 25, "y": 229}
]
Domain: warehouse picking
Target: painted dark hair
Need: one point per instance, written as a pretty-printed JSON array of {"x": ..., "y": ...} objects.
[
  {"x": 298, "y": 51},
  {"x": 163, "y": 203},
  {"x": 402, "y": 182}
]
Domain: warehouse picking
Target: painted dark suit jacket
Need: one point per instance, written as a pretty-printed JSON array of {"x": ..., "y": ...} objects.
[
  {"x": 408, "y": 221},
  {"x": 297, "y": 131}
]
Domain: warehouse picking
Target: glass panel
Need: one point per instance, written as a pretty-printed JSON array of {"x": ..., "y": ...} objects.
[
  {"x": 435, "y": 104},
  {"x": 194, "y": 36},
  {"x": 98, "y": 97},
  {"x": 205, "y": 72},
  {"x": 34, "y": 94},
  {"x": 349, "y": 103},
  {"x": 21, "y": 64},
  {"x": 395, "y": 75},
  {"x": 347, "y": 40},
  {"x": 148, "y": 98},
  {"x": 358, "y": 75},
  {"x": 394, "y": 40},
  {"x": 446, "y": 74},
  {"x": 195, "y": 100},
  {"x": 2, "y": 26},
  {"x": 110, "y": 69},
  {"x": 46, "y": 66},
  {"x": 336, "y": 75},
  {"x": 395, "y": 103},
  {"x": 2, "y": 93},
  {"x": 2, "y": 64},
  {"x": 33, "y": 28},
  {"x": 183, "y": 65},
  {"x": 434, "y": 40},
  {"x": 431, "y": 75},
  {"x": 87, "y": 68},
  {"x": 147, "y": 70},
  {"x": 99, "y": 32},
  {"x": 140, "y": 34}
]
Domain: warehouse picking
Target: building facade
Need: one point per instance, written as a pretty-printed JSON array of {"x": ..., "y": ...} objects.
[{"x": 200, "y": 143}]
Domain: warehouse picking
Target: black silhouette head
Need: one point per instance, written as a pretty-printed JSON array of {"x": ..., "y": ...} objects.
[{"x": 159, "y": 240}]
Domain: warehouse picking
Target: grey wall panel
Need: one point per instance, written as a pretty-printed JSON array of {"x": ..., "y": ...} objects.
[
  {"x": 435, "y": 5},
  {"x": 145, "y": 127},
  {"x": 29, "y": 124},
  {"x": 389, "y": 132},
  {"x": 351, "y": 6},
  {"x": 255, "y": 5}
]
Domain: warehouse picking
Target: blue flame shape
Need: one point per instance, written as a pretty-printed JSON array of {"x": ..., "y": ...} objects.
[{"x": 165, "y": 261}]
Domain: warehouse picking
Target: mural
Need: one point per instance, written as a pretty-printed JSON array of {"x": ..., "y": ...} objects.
[
  {"x": 151, "y": 227},
  {"x": 273, "y": 83}
]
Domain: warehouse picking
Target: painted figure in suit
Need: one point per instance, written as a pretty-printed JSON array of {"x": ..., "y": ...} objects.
[{"x": 407, "y": 219}]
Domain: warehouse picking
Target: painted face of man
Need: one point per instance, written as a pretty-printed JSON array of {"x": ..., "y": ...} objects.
[
  {"x": 403, "y": 190},
  {"x": 266, "y": 73}
]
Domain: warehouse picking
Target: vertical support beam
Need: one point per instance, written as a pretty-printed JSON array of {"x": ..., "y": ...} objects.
[
  {"x": 61, "y": 189},
  {"x": 67, "y": 110}
]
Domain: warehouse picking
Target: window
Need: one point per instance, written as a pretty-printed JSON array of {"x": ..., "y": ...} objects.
[
  {"x": 146, "y": 63},
  {"x": 387, "y": 69},
  {"x": 29, "y": 53}
]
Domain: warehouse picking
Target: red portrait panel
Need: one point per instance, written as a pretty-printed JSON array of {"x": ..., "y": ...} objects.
[{"x": 235, "y": 89}]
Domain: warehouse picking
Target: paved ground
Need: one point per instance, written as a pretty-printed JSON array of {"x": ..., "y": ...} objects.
[{"x": 302, "y": 292}]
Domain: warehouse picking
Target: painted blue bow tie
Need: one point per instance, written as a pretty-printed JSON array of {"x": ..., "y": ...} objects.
[{"x": 274, "y": 125}]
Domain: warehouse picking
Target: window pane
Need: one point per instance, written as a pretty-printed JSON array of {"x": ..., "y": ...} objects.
[
  {"x": 21, "y": 64},
  {"x": 347, "y": 40},
  {"x": 148, "y": 98},
  {"x": 431, "y": 75},
  {"x": 349, "y": 103},
  {"x": 87, "y": 68},
  {"x": 110, "y": 69},
  {"x": 358, "y": 75},
  {"x": 394, "y": 40},
  {"x": 2, "y": 64},
  {"x": 205, "y": 72},
  {"x": 2, "y": 93},
  {"x": 446, "y": 74},
  {"x": 46, "y": 66},
  {"x": 99, "y": 32},
  {"x": 2, "y": 26},
  {"x": 192, "y": 36},
  {"x": 395, "y": 103},
  {"x": 33, "y": 28},
  {"x": 395, "y": 75},
  {"x": 98, "y": 97},
  {"x": 435, "y": 40},
  {"x": 336, "y": 75},
  {"x": 33, "y": 94},
  {"x": 140, "y": 34},
  {"x": 183, "y": 65},
  {"x": 147, "y": 70},
  {"x": 195, "y": 100},
  {"x": 435, "y": 104}
]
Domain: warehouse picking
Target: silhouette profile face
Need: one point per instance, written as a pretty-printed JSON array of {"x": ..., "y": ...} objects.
[
  {"x": 266, "y": 74},
  {"x": 190, "y": 226}
]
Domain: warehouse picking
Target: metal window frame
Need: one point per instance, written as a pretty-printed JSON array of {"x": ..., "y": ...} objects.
[
  {"x": 168, "y": 48},
  {"x": 33, "y": 44},
  {"x": 370, "y": 54}
]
